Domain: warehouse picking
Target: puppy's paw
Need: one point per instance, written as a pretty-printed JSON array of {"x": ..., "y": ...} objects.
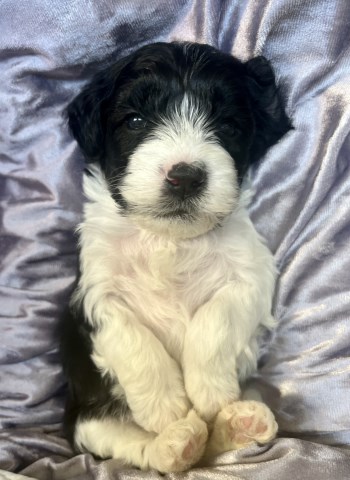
[
  {"x": 180, "y": 445},
  {"x": 240, "y": 424}
]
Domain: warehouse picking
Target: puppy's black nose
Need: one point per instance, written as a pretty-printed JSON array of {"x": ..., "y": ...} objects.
[{"x": 185, "y": 180}]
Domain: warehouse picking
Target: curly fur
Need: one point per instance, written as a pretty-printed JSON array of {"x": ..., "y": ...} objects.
[{"x": 175, "y": 283}]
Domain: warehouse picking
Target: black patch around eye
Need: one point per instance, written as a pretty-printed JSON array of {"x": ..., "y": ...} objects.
[
  {"x": 229, "y": 130},
  {"x": 136, "y": 122}
]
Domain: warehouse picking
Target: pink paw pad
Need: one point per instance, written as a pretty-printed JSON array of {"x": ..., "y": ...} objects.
[
  {"x": 250, "y": 422},
  {"x": 241, "y": 424}
]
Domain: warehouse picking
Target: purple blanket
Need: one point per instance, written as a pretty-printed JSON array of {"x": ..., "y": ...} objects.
[{"x": 48, "y": 50}]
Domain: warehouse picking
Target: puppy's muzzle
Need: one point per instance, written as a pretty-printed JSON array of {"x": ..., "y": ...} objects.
[{"x": 185, "y": 180}]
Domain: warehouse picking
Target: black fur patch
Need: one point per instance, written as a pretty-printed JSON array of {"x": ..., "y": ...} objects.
[
  {"x": 89, "y": 394},
  {"x": 240, "y": 100}
]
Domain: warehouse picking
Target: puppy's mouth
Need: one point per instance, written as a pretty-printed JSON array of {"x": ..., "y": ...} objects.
[
  {"x": 183, "y": 219},
  {"x": 186, "y": 210},
  {"x": 178, "y": 214}
]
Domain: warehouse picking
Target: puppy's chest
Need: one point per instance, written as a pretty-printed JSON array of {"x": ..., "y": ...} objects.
[{"x": 164, "y": 283}]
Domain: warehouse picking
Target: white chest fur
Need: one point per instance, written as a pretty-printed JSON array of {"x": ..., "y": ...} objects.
[{"x": 163, "y": 282}]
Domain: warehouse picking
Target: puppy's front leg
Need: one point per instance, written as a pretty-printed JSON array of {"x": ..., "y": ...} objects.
[
  {"x": 218, "y": 333},
  {"x": 151, "y": 379}
]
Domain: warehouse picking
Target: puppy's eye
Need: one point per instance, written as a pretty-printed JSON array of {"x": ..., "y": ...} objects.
[
  {"x": 135, "y": 122},
  {"x": 228, "y": 129}
]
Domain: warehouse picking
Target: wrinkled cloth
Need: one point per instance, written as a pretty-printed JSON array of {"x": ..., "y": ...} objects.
[{"x": 48, "y": 50}]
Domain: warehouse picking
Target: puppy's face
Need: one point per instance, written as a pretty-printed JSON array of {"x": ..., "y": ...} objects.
[{"x": 174, "y": 128}]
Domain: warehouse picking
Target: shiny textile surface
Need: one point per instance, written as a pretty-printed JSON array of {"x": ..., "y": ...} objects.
[{"x": 48, "y": 49}]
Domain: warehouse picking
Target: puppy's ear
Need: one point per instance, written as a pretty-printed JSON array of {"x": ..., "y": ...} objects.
[
  {"x": 271, "y": 120},
  {"x": 87, "y": 113}
]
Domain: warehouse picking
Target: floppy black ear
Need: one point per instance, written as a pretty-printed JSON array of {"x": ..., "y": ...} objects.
[
  {"x": 270, "y": 118},
  {"x": 87, "y": 113}
]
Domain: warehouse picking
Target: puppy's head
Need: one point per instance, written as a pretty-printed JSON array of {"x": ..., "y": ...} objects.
[{"x": 174, "y": 128}]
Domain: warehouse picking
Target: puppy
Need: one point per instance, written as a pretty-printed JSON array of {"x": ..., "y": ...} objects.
[{"x": 175, "y": 284}]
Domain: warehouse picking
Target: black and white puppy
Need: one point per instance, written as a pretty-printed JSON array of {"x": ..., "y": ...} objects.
[{"x": 175, "y": 283}]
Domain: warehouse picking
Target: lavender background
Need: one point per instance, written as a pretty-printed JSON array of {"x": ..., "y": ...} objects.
[{"x": 48, "y": 50}]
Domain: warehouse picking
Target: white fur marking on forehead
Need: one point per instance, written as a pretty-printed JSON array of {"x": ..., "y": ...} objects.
[{"x": 186, "y": 119}]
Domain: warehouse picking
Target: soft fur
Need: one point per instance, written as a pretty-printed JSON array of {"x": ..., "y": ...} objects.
[{"x": 175, "y": 284}]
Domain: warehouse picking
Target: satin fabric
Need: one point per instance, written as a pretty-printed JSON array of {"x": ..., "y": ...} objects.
[{"x": 48, "y": 50}]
